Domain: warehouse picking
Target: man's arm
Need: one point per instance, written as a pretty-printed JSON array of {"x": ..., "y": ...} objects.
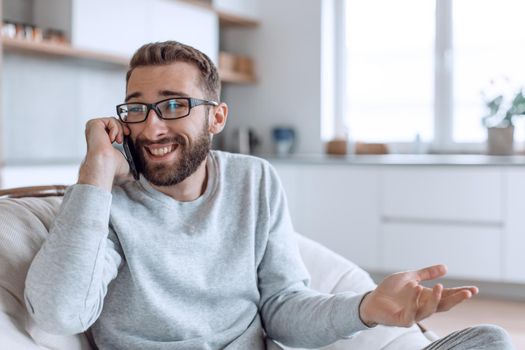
[
  {"x": 68, "y": 278},
  {"x": 292, "y": 313}
]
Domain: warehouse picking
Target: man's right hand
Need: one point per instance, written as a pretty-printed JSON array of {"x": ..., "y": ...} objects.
[{"x": 103, "y": 163}]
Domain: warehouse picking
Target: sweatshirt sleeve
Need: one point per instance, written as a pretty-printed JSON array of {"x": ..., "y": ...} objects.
[
  {"x": 68, "y": 278},
  {"x": 292, "y": 313}
]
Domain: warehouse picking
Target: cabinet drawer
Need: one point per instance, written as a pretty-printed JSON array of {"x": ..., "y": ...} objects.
[
  {"x": 470, "y": 252},
  {"x": 442, "y": 193}
]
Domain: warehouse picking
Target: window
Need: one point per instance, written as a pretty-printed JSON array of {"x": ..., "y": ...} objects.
[
  {"x": 389, "y": 74},
  {"x": 416, "y": 68},
  {"x": 489, "y": 43}
]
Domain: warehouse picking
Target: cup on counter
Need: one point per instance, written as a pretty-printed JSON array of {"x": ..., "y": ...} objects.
[{"x": 283, "y": 140}]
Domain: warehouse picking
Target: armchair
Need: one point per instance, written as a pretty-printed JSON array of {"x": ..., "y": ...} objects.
[{"x": 25, "y": 217}]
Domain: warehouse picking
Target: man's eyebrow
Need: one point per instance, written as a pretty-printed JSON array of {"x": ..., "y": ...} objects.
[
  {"x": 133, "y": 95},
  {"x": 169, "y": 93},
  {"x": 165, "y": 93}
]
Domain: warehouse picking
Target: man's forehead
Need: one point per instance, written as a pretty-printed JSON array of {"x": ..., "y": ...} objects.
[
  {"x": 181, "y": 79},
  {"x": 178, "y": 70}
]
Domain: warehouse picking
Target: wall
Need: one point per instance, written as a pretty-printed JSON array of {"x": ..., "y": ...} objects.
[
  {"x": 287, "y": 51},
  {"x": 46, "y": 103}
]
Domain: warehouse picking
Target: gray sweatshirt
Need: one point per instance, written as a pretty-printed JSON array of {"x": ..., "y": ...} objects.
[{"x": 145, "y": 271}]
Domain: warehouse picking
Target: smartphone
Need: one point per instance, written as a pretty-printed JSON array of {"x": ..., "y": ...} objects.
[{"x": 131, "y": 157}]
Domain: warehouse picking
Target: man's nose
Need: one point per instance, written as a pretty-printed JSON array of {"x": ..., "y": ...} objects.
[{"x": 154, "y": 126}]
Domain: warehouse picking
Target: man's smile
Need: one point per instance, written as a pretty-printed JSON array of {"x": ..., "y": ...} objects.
[{"x": 160, "y": 151}]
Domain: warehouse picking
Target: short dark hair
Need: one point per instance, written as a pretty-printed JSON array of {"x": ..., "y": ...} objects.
[{"x": 163, "y": 53}]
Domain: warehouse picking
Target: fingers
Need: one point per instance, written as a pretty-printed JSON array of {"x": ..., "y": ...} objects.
[
  {"x": 114, "y": 129},
  {"x": 414, "y": 299},
  {"x": 454, "y": 296},
  {"x": 125, "y": 131},
  {"x": 449, "y": 291},
  {"x": 430, "y": 273},
  {"x": 430, "y": 304}
]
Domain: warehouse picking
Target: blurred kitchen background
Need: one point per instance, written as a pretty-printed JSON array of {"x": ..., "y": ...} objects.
[{"x": 396, "y": 126}]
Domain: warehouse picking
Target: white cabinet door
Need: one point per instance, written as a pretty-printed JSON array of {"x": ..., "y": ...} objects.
[
  {"x": 338, "y": 207},
  {"x": 466, "y": 194},
  {"x": 122, "y": 26},
  {"x": 470, "y": 252},
  {"x": 514, "y": 244},
  {"x": 244, "y": 8},
  {"x": 191, "y": 25},
  {"x": 116, "y": 26}
]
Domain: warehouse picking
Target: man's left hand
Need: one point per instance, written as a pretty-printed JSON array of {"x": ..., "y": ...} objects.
[{"x": 400, "y": 300}]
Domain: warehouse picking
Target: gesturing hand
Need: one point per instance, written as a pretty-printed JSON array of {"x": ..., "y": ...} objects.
[{"x": 400, "y": 300}]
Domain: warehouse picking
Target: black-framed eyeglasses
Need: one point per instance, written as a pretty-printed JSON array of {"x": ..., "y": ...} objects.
[{"x": 168, "y": 109}]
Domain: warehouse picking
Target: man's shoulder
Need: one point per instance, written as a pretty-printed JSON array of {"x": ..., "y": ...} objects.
[
  {"x": 240, "y": 161},
  {"x": 242, "y": 168}
]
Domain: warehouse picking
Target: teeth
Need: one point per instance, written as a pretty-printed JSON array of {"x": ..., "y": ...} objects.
[{"x": 160, "y": 151}]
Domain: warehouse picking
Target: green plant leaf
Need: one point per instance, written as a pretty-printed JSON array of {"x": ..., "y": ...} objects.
[
  {"x": 494, "y": 104},
  {"x": 518, "y": 104}
]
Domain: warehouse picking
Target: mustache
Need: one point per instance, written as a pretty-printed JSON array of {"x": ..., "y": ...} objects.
[{"x": 177, "y": 139}]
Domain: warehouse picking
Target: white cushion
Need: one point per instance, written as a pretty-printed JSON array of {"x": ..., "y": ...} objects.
[{"x": 24, "y": 225}]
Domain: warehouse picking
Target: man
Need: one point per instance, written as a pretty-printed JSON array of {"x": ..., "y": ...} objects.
[{"x": 198, "y": 253}]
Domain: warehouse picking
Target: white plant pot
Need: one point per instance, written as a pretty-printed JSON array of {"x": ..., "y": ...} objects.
[{"x": 500, "y": 141}]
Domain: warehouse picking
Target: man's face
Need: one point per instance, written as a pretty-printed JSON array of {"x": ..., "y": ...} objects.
[{"x": 169, "y": 150}]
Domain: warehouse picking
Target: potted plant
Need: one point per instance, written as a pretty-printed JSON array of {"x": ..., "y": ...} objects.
[{"x": 499, "y": 121}]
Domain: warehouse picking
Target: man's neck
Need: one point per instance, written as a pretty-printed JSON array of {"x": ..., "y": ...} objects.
[{"x": 191, "y": 188}]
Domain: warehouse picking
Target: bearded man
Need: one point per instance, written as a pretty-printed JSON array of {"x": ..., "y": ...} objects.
[{"x": 197, "y": 251}]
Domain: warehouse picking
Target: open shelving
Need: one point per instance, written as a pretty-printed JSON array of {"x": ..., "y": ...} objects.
[
  {"x": 60, "y": 50},
  {"x": 226, "y": 20},
  {"x": 67, "y": 51}
]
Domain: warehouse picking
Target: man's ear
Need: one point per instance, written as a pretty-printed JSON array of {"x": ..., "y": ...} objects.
[{"x": 218, "y": 118}]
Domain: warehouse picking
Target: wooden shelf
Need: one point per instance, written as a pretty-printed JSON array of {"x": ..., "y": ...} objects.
[
  {"x": 201, "y": 3},
  {"x": 231, "y": 20},
  {"x": 61, "y": 50},
  {"x": 225, "y": 18},
  {"x": 236, "y": 77}
]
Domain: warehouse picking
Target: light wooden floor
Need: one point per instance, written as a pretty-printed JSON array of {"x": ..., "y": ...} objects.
[{"x": 507, "y": 314}]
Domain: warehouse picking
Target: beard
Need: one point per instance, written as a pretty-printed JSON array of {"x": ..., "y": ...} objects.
[{"x": 186, "y": 163}]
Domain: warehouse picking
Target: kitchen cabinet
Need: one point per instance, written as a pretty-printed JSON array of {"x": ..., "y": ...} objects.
[
  {"x": 393, "y": 217},
  {"x": 337, "y": 206},
  {"x": 142, "y": 22},
  {"x": 446, "y": 193},
  {"x": 247, "y": 10},
  {"x": 469, "y": 251},
  {"x": 514, "y": 238}
]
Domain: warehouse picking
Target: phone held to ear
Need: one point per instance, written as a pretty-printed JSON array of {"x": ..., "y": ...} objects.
[{"x": 131, "y": 157}]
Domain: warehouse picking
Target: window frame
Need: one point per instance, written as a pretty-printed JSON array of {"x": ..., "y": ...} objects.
[{"x": 443, "y": 106}]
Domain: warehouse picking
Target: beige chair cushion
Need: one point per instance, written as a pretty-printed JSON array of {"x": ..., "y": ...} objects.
[{"x": 24, "y": 225}]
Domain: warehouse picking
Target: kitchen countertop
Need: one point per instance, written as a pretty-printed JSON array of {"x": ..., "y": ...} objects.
[
  {"x": 323, "y": 159},
  {"x": 400, "y": 159}
]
